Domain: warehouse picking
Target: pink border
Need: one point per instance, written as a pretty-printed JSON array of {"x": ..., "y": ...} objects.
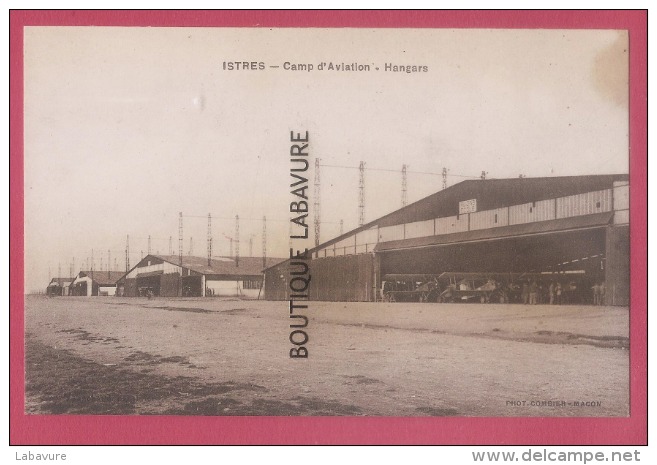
[{"x": 71, "y": 430}]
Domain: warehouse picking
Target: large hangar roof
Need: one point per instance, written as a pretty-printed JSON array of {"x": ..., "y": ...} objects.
[
  {"x": 490, "y": 194},
  {"x": 496, "y": 193}
]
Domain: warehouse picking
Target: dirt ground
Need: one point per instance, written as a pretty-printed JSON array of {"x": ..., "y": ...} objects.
[{"x": 108, "y": 355}]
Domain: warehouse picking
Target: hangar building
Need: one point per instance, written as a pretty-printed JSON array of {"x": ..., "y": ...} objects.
[
  {"x": 575, "y": 224},
  {"x": 58, "y": 286},
  {"x": 163, "y": 276},
  {"x": 94, "y": 283}
]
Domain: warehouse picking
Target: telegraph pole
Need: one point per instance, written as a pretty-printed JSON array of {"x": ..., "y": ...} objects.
[
  {"x": 316, "y": 203},
  {"x": 361, "y": 194},
  {"x": 444, "y": 178},
  {"x": 209, "y": 239},
  {"x": 404, "y": 198},
  {"x": 180, "y": 241},
  {"x": 127, "y": 253},
  {"x": 264, "y": 241},
  {"x": 237, "y": 240}
]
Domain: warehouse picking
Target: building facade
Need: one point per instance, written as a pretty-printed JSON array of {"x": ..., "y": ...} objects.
[
  {"x": 188, "y": 276},
  {"x": 58, "y": 287},
  {"x": 568, "y": 226},
  {"x": 94, "y": 283}
]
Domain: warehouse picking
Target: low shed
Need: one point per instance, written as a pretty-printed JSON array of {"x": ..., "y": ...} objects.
[{"x": 165, "y": 275}]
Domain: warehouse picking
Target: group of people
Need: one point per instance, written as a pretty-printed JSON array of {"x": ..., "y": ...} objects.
[{"x": 534, "y": 293}]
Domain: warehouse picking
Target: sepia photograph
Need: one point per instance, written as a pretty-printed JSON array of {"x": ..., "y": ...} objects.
[{"x": 333, "y": 222}]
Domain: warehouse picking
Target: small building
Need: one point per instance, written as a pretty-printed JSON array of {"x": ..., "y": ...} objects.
[
  {"x": 166, "y": 276},
  {"x": 95, "y": 283},
  {"x": 58, "y": 287}
]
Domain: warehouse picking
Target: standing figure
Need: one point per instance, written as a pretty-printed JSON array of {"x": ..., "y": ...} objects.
[
  {"x": 533, "y": 293},
  {"x": 525, "y": 293},
  {"x": 596, "y": 294}
]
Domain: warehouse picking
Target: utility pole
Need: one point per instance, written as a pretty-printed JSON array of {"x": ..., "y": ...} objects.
[
  {"x": 237, "y": 240},
  {"x": 404, "y": 198},
  {"x": 109, "y": 263},
  {"x": 251, "y": 245},
  {"x": 170, "y": 245},
  {"x": 209, "y": 239},
  {"x": 316, "y": 203},
  {"x": 361, "y": 194},
  {"x": 180, "y": 241},
  {"x": 444, "y": 178},
  {"x": 191, "y": 246},
  {"x": 264, "y": 241},
  {"x": 483, "y": 175},
  {"x": 149, "y": 244},
  {"x": 341, "y": 227},
  {"x": 127, "y": 253}
]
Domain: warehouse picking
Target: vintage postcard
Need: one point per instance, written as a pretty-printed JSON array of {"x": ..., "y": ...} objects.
[{"x": 337, "y": 222}]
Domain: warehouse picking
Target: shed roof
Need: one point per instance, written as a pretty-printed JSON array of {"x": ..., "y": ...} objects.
[
  {"x": 247, "y": 266},
  {"x": 60, "y": 281},
  {"x": 102, "y": 278}
]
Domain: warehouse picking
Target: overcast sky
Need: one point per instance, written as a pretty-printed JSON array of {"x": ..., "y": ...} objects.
[{"x": 125, "y": 127}]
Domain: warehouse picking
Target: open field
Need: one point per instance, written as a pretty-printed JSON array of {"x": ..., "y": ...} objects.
[{"x": 107, "y": 355}]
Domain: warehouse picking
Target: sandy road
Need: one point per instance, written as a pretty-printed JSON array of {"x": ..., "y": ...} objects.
[{"x": 203, "y": 356}]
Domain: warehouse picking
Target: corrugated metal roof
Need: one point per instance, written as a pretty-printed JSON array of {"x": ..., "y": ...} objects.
[
  {"x": 490, "y": 194},
  {"x": 101, "y": 277},
  {"x": 248, "y": 266},
  {"x": 564, "y": 224},
  {"x": 496, "y": 193},
  {"x": 60, "y": 281},
  {"x": 149, "y": 274}
]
